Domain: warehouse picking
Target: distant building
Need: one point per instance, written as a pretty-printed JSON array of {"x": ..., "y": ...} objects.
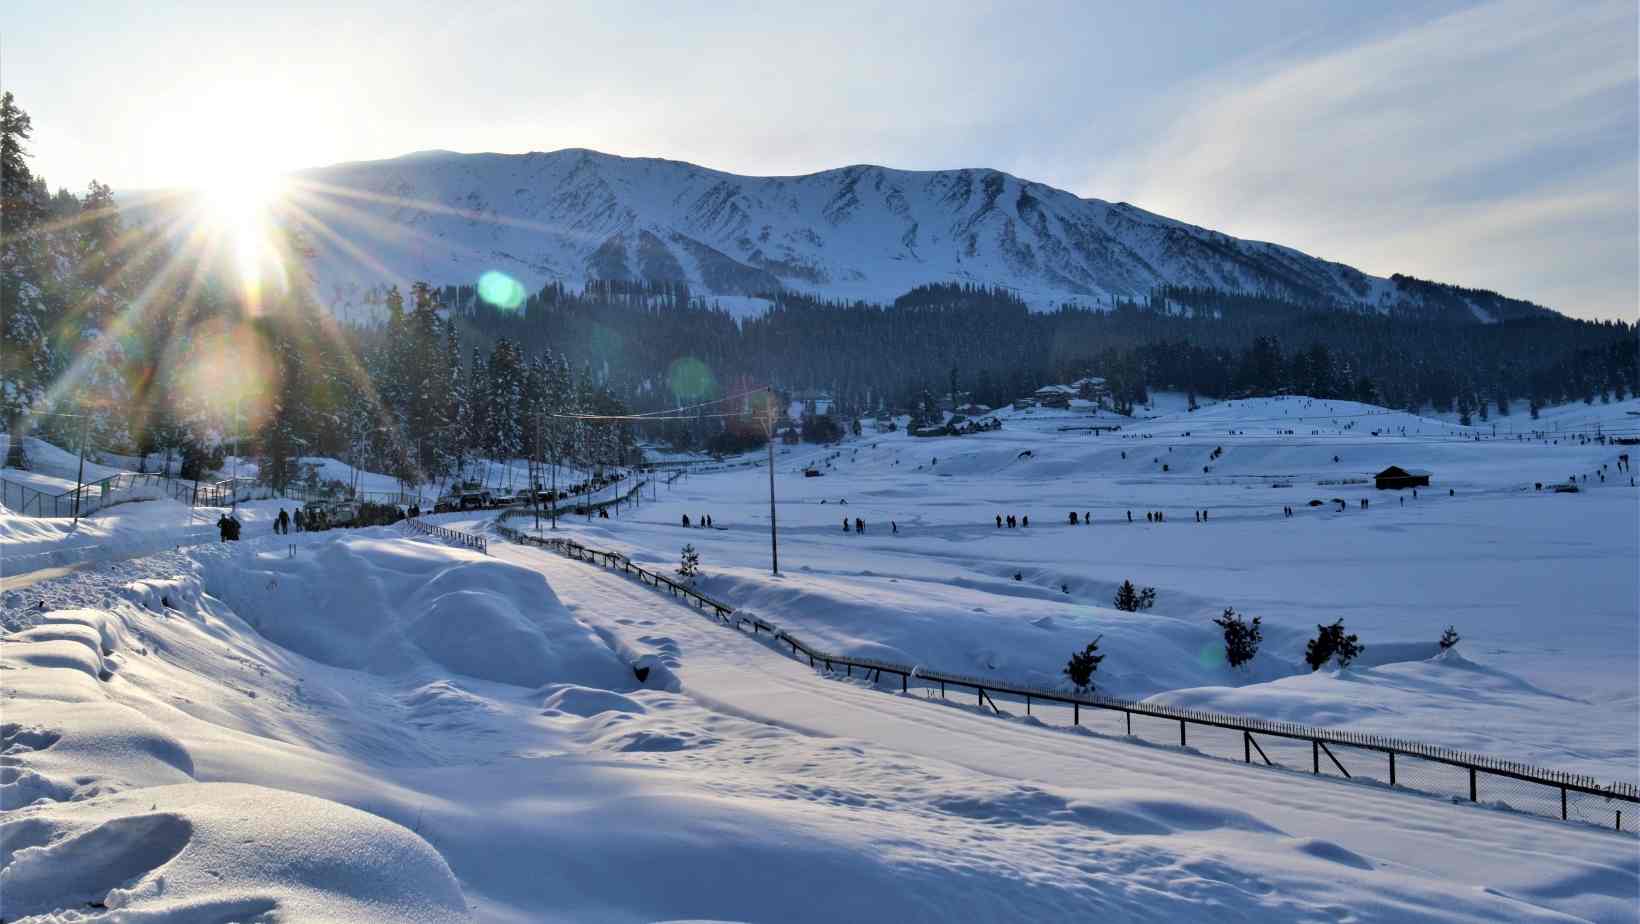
[
  {"x": 816, "y": 402},
  {"x": 1396, "y": 477},
  {"x": 1055, "y": 396},
  {"x": 1091, "y": 388}
]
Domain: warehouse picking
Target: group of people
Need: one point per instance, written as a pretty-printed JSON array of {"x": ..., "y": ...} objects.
[
  {"x": 312, "y": 521},
  {"x": 1013, "y": 521},
  {"x": 228, "y": 526},
  {"x": 704, "y": 522},
  {"x": 860, "y": 525}
]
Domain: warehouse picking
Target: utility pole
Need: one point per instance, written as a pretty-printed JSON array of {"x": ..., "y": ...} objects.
[
  {"x": 233, "y": 485},
  {"x": 79, "y": 481},
  {"x": 535, "y": 485},
  {"x": 774, "y": 542}
]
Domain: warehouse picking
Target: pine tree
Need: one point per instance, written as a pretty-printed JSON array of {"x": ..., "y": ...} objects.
[
  {"x": 25, "y": 349},
  {"x": 689, "y": 564},
  {"x": 1330, "y": 642},
  {"x": 1241, "y": 638},
  {"x": 1131, "y": 599},
  {"x": 1082, "y": 666},
  {"x": 1450, "y": 637}
]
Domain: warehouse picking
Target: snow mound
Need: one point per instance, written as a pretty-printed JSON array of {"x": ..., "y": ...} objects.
[
  {"x": 221, "y": 851},
  {"x": 387, "y": 606},
  {"x": 569, "y": 699},
  {"x": 60, "y": 751}
]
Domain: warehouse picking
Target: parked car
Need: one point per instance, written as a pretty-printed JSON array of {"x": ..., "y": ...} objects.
[
  {"x": 474, "y": 500},
  {"x": 342, "y": 513},
  {"x": 812, "y": 473}
]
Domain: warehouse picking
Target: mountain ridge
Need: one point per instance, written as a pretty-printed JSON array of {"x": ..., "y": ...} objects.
[{"x": 860, "y": 232}]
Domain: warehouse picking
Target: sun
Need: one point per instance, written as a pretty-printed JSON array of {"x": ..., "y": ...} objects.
[{"x": 241, "y": 208}]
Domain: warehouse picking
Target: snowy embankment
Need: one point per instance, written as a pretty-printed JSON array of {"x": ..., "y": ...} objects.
[
  {"x": 1542, "y": 586},
  {"x": 436, "y": 734}
]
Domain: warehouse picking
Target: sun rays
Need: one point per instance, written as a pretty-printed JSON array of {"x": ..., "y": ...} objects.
[{"x": 193, "y": 270}]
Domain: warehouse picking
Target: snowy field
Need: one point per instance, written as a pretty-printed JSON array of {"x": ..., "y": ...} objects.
[{"x": 364, "y": 725}]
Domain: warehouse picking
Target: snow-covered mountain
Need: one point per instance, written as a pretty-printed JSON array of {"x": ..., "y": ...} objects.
[{"x": 860, "y": 232}]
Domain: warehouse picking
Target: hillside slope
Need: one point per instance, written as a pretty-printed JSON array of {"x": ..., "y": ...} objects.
[{"x": 859, "y": 232}]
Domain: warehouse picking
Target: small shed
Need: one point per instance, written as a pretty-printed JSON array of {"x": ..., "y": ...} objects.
[{"x": 1397, "y": 478}]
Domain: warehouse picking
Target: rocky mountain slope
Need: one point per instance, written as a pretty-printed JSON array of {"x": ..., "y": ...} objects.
[{"x": 860, "y": 232}]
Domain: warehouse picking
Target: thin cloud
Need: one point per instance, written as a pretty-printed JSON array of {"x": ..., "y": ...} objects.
[{"x": 1492, "y": 147}]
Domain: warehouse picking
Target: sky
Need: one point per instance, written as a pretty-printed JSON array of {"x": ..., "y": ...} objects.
[{"x": 1491, "y": 144}]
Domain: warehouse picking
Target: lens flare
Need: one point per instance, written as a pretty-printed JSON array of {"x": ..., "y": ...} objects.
[
  {"x": 501, "y": 290},
  {"x": 690, "y": 379},
  {"x": 228, "y": 367}
]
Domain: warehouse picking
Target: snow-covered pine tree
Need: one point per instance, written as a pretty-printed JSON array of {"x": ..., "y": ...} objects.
[
  {"x": 452, "y": 442},
  {"x": 25, "y": 348},
  {"x": 506, "y": 399}
]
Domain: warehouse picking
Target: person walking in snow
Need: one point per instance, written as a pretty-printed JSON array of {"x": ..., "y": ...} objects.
[
  {"x": 222, "y": 526},
  {"x": 859, "y": 525},
  {"x": 1087, "y": 518},
  {"x": 686, "y": 521},
  {"x": 1073, "y": 518},
  {"x": 281, "y": 524},
  {"x": 845, "y": 524},
  {"x": 999, "y": 521},
  {"x": 300, "y": 524},
  {"x": 1130, "y": 516},
  {"x": 1025, "y": 521}
]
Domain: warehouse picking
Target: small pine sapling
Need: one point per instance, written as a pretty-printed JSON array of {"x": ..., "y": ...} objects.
[
  {"x": 1450, "y": 637},
  {"x": 1241, "y": 638},
  {"x": 689, "y": 565},
  {"x": 1082, "y": 665},
  {"x": 1131, "y": 599}
]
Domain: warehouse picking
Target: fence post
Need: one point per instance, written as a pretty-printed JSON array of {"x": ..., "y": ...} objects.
[
  {"x": 1392, "y": 768},
  {"x": 1315, "y": 755},
  {"x": 1247, "y": 746},
  {"x": 903, "y": 681},
  {"x": 1129, "y": 722},
  {"x": 1027, "y": 704},
  {"x": 1562, "y": 803},
  {"x": 1076, "y": 713},
  {"x": 1471, "y": 784},
  {"x": 1181, "y": 733}
]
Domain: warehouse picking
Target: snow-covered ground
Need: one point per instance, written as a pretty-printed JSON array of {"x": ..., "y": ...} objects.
[
  {"x": 374, "y": 726},
  {"x": 1542, "y": 586}
]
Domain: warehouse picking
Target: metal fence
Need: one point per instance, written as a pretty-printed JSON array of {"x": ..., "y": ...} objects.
[
  {"x": 85, "y": 499},
  {"x": 1394, "y": 762},
  {"x": 468, "y": 540}
]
